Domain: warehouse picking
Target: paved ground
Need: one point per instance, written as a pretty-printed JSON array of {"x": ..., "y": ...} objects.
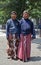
[{"x": 35, "y": 53}]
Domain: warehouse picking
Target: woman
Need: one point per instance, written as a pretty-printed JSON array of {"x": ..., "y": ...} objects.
[
  {"x": 12, "y": 32},
  {"x": 27, "y": 29}
]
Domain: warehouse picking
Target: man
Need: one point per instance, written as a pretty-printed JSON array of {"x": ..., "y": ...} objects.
[
  {"x": 13, "y": 34},
  {"x": 27, "y": 29}
]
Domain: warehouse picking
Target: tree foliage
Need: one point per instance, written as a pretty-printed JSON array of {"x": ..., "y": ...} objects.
[{"x": 6, "y": 6}]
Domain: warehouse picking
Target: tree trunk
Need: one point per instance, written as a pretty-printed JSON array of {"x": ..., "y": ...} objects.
[{"x": 40, "y": 24}]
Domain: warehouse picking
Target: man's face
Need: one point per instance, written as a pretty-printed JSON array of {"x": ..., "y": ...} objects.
[
  {"x": 25, "y": 15},
  {"x": 13, "y": 16}
]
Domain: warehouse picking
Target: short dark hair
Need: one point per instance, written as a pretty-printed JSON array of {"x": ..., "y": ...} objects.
[{"x": 14, "y": 12}]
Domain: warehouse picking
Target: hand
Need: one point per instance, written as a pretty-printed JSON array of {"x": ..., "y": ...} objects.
[
  {"x": 33, "y": 38},
  {"x": 10, "y": 37}
]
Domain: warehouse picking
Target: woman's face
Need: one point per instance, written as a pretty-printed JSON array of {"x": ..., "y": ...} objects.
[
  {"x": 13, "y": 16},
  {"x": 25, "y": 15}
]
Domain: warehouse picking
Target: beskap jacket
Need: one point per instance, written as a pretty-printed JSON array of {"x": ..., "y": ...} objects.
[
  {"x": 12, "y": 27},
  {"x": 27, "y": 27}
]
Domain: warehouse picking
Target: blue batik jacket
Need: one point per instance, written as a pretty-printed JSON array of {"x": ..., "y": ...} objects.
[
  {"x": 12, "y": 27},
  {"x": 27, "y": 27}
]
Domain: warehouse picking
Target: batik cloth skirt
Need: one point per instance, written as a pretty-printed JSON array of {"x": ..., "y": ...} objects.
[
  {"x": 24, "y": 48},
  {"x": 12, "y": 46}
]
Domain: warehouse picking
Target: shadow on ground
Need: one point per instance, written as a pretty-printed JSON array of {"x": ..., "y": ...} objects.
[
  {"x": 37, "y": 41},
  {"x": 38, "y": 58},
  {"x": 39, "y": 47}
]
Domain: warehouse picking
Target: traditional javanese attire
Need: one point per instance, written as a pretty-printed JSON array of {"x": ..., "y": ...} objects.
[
  {"x": 13, "y": 32},
  {"x": 27, "y": 29}
]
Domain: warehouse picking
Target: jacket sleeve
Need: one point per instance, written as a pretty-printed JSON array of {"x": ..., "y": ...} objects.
[
  {"x": 7, "y": 28},
  {"x": 19, "y": 29},
  {"x": 33, "y": 31}
]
